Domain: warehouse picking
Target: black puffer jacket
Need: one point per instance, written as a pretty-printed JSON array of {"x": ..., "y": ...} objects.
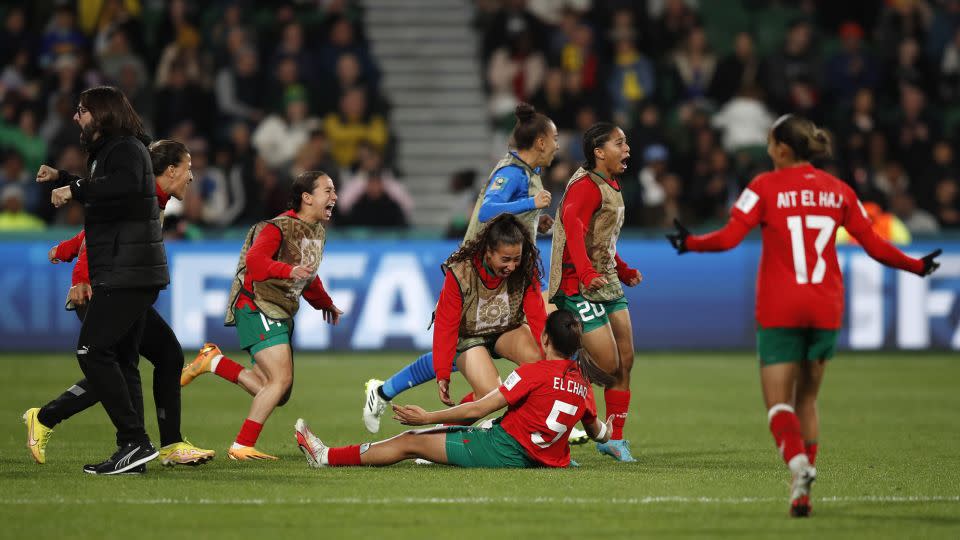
[{"x": 121, "y": 217}]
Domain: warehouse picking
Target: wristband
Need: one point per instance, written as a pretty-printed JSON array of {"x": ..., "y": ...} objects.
[{"x": 603, "y": 431}]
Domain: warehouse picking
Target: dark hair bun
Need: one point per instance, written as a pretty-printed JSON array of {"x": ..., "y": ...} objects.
[{"x": 525, "y": 112}]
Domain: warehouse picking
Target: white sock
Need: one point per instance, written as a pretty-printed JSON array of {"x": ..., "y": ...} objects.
[
  {"x": 215, "y": 362},
  {"x": 237, "y": 446}
]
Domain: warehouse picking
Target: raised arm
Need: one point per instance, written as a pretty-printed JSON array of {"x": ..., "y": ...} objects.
[{"x": 411, "y": 415}]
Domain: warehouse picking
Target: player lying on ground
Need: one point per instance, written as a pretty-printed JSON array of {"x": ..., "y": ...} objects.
[
  {"x": 586, "y": 273},
  {"x": 159, "y": 345},
  {"x": 278, "y": 263},
  {"x": 799, "y": 287},
  {"x": 513, "y": 187},
  {"x": 544, "y": 401}
]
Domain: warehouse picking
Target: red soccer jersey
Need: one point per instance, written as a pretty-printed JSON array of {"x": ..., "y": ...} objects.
[
  {"x": 799, "y": 209},
  {"x": 547, "y": 398}
]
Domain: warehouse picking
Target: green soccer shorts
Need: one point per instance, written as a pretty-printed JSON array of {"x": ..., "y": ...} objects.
[
  {"x": 257, "y": 331},
  {"x": 592, "y": 315},
  {"x": 779, "y": 345},
  {"x": 474, "y": 447}
]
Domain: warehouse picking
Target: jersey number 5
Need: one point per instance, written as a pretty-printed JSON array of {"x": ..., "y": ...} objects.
[
  {"x": 553, "y": 424},
  {"x": 825, "y": 226}
]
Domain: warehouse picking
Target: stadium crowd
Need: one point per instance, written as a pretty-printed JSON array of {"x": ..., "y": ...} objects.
[{"x": 261, "y": 91}]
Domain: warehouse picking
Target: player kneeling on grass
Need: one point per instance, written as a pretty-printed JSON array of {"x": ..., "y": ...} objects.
[
  {"x": 799, "y": 286},
  {"x": 277, "y": 265},
  {"x": 544, "y": 401}
]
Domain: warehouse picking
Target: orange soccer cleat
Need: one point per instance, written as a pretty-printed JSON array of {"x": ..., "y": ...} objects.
[{"x": 201, "y": 364}]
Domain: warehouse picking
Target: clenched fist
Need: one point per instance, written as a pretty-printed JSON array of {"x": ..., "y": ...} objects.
[{"x": 47, "y": 174}]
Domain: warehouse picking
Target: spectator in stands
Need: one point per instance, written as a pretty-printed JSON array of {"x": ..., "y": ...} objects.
[
  {"x": 238, "y": 89},
  {"x": 916, "y": 220},
  {"x": 15, "y": 36},
  {"x": 376, "y": 207},
  {"x": 314, "y": 155},
  {"x": 514, "y": 74},
  {"x": 117, "y": 54},
  {"x": 655, "y": 165},
  {"x": 745, "y": 121},
  {"x": 947, "y": 203},
  {"x": 901, "y": 20},
  {"x": 671, "y": 208},
  {"x": 180, "y": 99},
  {"x": 950, "y": 70},
  {"x": 353, "y": 124},
  {"x": 914, "y": 129},
  {"x": 243, "y": 161},
  {"x": 852, "y": 67},
  {"x": 674, "y": 20},
  {"x": 694, "y": 64},
  {"x": 279, "y": 138},
  {"x": 552, "y": 100},
  {"x": 286, "y": 76},
  {"x": 229, "y": 34},
  {"x": 888, "y": 181},
  {"x": 292, "y": 47},
  {"x": 177, "y": 25},
  {"x": 908, "y": 67},
  {"x": 61, "y": 36},
  {"x": 579, "y": 56},
  {"x": 795, "y": 70},
  {"x": 631, "y": 81},
  {"x": 370, "y": 167},
  {"x": 512, "y": 17},
  {"x": 25, "y": 139},
  {"x": 343, "y": 40},
  {"x": 13, "y": 216},
  {"x": 740, "y": 69},
  {"x": 465, "y": 198},
  {"x": 714, "y": 188}
]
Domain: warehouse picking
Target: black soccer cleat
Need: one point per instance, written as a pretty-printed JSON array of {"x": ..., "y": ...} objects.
[{"x": 130, "y": 458}]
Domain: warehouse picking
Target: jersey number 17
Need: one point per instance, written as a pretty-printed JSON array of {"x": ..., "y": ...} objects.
[{"x": 824, "y": 225}]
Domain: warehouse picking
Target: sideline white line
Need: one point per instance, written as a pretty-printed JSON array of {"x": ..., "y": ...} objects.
[{"x": 481, "y": 500}]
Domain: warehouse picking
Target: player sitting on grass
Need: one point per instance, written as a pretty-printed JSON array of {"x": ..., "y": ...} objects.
[{"x": 544, "y": 401}]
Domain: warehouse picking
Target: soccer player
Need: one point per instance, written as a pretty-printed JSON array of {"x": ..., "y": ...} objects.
[
  {"x": 799, "y": 285},
  {"x": 514, "y": 187},
  {"x": 544, "y": 401},
  {"x": 586, "y": 272},
  {"x": 171, "y": 169},
  {"x": 278, "y": 263}
]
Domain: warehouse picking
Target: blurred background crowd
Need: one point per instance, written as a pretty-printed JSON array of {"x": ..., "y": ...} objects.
[{"x": 260, "y": 91}]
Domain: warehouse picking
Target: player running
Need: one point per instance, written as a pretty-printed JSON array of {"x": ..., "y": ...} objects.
[
  {"x": 544, "y": 401},
  {"x": 514, "y": 187},
  {"x": 278, "y": 263},
  {"x": 159, "y": 345},
  {"x": 799, "y": 285},
  {"x": 586, "y": 272}
]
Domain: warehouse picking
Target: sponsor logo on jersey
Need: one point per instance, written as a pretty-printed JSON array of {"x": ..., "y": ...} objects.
[
  {"x": 511, "y": 381},
  {"x": 497, "y": 183},
  {"x": 493, "y": 311},
  {"x": 748, "y": 199}
]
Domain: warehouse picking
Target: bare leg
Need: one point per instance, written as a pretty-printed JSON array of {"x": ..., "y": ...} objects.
[
  {"x": 407, "y": 445},
  {"x": 477, "y": 368},
  {"x": 252, "y": 379},
  {"x": 623, "y": 335},
  {"x": 601, "y": 345},
  {"x": 779, "y": 383},
  {"x": 518, "y": 346},
  {"x": 276, "y": 363},
  {"x": 808, "y": 387}
]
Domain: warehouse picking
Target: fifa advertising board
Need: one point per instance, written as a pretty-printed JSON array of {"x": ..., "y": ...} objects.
[{"x": 388, "y": 290}]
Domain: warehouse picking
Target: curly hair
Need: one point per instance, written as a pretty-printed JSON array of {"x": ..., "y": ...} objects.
[{"x": 504, "y": 229}]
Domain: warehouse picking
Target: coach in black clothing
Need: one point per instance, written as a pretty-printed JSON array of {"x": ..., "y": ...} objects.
[{"x": 128, "y": 265}]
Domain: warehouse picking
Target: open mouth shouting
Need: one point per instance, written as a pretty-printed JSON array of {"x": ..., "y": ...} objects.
[{"x": 328, "y": 210}]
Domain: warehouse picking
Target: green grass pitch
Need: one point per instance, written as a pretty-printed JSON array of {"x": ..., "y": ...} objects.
[{"x": 888, "y": 464}]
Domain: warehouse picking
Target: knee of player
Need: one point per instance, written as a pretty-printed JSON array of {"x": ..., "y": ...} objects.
[{"x": 285, "y": 397}]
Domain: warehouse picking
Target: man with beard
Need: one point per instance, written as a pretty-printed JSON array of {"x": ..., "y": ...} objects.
[{"x": 126, "y": 260}]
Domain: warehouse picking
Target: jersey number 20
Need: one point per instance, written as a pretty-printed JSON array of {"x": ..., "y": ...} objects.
[{"x": 824, "y": 225}]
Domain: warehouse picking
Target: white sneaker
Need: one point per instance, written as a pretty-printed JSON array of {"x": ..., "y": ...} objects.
[
  {"x": 804, "y": 475},
  {"x": 578, "y": 436},
  {"x": 374, "y": 406},
  {"x": 421, "y": 461},
  {"x": 311, "y": 445}
]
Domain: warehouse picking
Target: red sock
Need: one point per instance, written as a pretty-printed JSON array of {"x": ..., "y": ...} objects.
[
  {"x": 467, "y": 398},
  {"x": 810, "y": 447},
  {"x": 249, "y": 433},
  {"x": 618, "y": 401},
  {"x": 785, "y": 427},
  {"x": 344, "y": 456},
  {"x": 228, "y": 369}
]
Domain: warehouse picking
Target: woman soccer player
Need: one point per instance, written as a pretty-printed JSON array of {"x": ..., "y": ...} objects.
[
  {"x": 544, "y": 401},
  {"x": 586, "y": 272},
  {"x": 278, "y": 263},
  {"x": 159, "y": 345},
  {"x": 799, "y": 286},
  {"x": 514, "y": 187}
]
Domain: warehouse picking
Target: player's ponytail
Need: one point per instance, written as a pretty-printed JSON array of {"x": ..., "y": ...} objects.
[
  {"x": 803, "y": 137},
  {"x": 564, "y": 332},
  {"x": 530, "y": 125}
]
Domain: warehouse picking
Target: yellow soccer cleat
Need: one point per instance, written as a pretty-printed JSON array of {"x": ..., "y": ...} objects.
[
  {"x": 38, "y": 435},
  {"x": 200, "y": 364},
  {"x": 248, "y": 453},
  {"x": 184, "y": 453}
]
